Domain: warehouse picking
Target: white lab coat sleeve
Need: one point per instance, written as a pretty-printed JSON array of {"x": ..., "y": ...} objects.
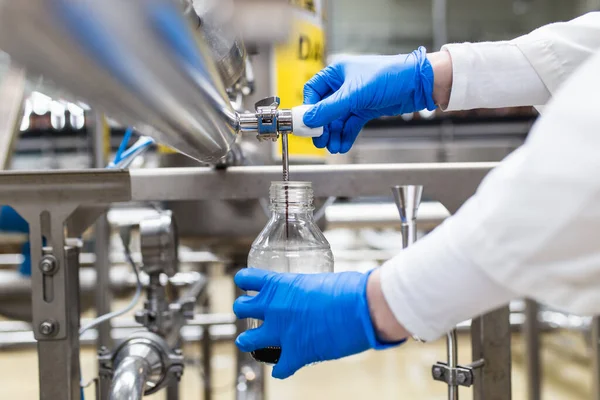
[
  {"x": 524, "y": 71},
  {"x": 531, "y": 230},
  {"x": 493, "y": 75}
]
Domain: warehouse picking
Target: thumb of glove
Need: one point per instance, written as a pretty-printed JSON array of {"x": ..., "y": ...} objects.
[{"x": 285, "y": 367}]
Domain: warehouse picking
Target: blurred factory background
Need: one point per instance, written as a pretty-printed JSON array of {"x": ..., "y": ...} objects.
[
  {"x": 56, "y": 133},
  {"x": 52, "y": 126}
]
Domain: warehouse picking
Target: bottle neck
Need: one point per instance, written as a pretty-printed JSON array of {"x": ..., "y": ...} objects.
[
  {"x": 292, "y": 212},
  {"x": 292, "y": 199}
]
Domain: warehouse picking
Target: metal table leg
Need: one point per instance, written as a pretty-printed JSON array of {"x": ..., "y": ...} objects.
[
  {"x": 102, "y": 249},
  {"x": 595, "y": 332},
  {"x": 173, "y": 391},
  {"x": 58, "y": 360},
  {"x": 490, "y": 337},
  {"x": 207, "y": 352},
  {"x": 531, "y": 334},
  {"x": 452, "y": 351}
]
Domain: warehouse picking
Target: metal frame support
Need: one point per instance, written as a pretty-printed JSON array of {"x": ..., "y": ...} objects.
[
  {"x": 207, "y": 347},
  {"x": 531, "y": 335},
  {"x": 595, "y": 333},
  {"x": 47, "y": 199},
  {"x": 102, "y": 249},
  {"x": 490, "y": 341},
  {"x": 452, "y": 354},
  {"x": 58, "y": 347}
]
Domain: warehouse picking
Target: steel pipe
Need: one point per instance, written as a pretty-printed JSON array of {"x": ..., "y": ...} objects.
[
  {"x": 381, "y": 215},
  {"x": 130, "y": 378},
  {"x": 452, "y": 353}
]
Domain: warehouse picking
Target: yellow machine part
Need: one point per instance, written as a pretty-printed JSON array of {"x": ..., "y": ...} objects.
[
  {"x": 295, "y": 62},
  {"x": 105, "y": 137},
  {"x": 162, "y": 149}
]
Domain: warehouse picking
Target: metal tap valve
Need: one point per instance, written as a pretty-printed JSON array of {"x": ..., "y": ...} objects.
[{"x": 268, "y": 121}]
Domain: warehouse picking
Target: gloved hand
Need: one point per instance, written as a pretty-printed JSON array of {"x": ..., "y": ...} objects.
[
  {"x": 312, "y": 317},
  {"x": 350, "y": 93}
]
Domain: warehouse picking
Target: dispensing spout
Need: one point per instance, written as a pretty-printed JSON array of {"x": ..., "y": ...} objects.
[{"x": 408, "y": 199}]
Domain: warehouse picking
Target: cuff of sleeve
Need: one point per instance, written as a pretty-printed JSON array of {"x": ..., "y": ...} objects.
[
  {"x": 368, "y": 327},
  {"x": 461, "y": 65},
  {"x": 430, "y": 287},
  {"x": 493, "y": 75}
]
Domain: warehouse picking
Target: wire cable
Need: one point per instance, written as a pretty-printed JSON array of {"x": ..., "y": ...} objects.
[
  {"x": 123, "y": 144},
  {"x": 127, "y": 157},
  {"x": 142, "y": 142},
  {"x": 131, "y": 305}
]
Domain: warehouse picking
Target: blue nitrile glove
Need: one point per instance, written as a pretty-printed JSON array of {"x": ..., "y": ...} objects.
[
  {"x": 312, "y": 317},
  {"x": 11, "y": 221},
  {"x": 358, "y": 89}
]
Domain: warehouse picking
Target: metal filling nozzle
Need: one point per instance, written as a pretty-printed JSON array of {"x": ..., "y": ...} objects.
[{"x": 407, "y": 200}]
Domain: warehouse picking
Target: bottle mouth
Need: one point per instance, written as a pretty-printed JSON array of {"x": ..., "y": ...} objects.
[{"x": 293, "y": 194}]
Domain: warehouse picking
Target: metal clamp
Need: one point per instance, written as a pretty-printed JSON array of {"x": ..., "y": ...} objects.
[
  {"x": 268, "y": 121},
  {"x": 459, "y": 376}
]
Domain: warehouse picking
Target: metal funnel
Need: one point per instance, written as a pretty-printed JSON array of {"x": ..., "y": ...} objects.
[
  {"x": 137, "y": 61},
  {"x": 408, "y": 199}
]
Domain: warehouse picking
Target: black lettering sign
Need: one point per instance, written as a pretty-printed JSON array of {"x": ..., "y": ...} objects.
[
  {"x": 309, "y": 50},
  {"x": 308, "y": 5}
]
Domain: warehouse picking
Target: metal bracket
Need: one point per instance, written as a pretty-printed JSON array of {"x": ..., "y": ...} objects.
[{"x": 459, "y": 376}]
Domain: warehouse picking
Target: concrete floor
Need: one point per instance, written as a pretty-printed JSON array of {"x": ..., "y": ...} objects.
[{"x": 402, "y": 373}]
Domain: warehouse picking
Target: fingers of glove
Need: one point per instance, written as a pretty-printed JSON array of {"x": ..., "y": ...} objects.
[
  {"x": 312, "y": 97},
  {"x": 321, "y": 141},
  {"x": 287, "y": 366},
  {"x": 252, "y": 278},
  {"x": 258, "y": 338},
  {"x": 352, "y": 128},
  {"x": 321, "y": 85},
  {"x": 328, "y": 110},
  {"x": 335, "y": 136},
  {"x": 249, "y": 307}
]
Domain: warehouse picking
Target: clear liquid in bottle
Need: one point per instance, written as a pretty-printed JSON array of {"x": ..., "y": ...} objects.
[{"x": 290, "y": 242}]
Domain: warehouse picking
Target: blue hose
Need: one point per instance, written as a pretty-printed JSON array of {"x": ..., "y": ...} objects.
[
  {"x": 134, "y": 149},
  {"x": 123, "y": 144}
]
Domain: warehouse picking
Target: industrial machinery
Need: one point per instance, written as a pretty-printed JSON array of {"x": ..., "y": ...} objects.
[
  {"x": 182, "y": 72},
  {"x": 151, "y": 359}
]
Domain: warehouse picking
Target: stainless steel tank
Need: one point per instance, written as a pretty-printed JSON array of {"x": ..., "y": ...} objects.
[
  {"x": 215, "y": 20},
  {"x": 137, "y": 60},
  {"x": 226, "y": 227}
]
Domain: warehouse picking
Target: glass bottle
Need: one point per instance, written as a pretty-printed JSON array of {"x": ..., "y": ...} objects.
[{"x": 290, "y": 242}]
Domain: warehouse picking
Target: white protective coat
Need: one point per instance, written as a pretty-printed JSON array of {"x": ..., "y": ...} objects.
[{"x": 533, "y": 227}]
